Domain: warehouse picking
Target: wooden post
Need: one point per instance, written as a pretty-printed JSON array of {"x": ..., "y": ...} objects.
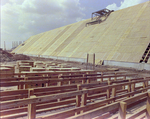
[
  {"x": 122, "y": 110},
  {"x": 129, "y": 87},
  {"x": 31, "y": 107},
  {"x": 4, "y": 45},
  {"x": 87, "y": 60},
  {"x": 78, "y": 97},
  {"x": 102, "y": 76},
  {"x": 84, "y": 98},
  {"x": 108, "y": 91},
  {"x": 124, "y": 78},
  {"x": 109, "y": 79},
  {"x": 26, "y": 85},
  {"x": 123, "y": 87},
  {"x": 21, "y": 86},
  {"x": 88, "y": 81},
  {"x": 113, "y": 92},
  {"x": 30, "y": 92},
  {"x": 94, "y": 61},
  {"x": 83, "y": 81},
  {"x": 144, "y": 86},
  {"x": 59, "y": 84},
  {"x": 133, "y": 88},
  {"x": 148, "y": 106},
  {"x": 69, "y": 82},
  {"x": 115, "y": 76},
  {"x": 146, "y": 83},
  {"x": 18, "y": 65}
]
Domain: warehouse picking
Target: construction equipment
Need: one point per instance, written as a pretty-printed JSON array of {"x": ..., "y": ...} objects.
[{"x": 96, "y": 17}]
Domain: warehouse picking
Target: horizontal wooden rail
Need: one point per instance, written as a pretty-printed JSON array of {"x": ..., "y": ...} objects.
[
  {"x": 10, "y": 104},
  {"x": 74, "y": 93},
  {"x": 42, "y": 99},
  {"x": 51, "y": 73},
  {"x": 96, "y": 104},
  {"x": 93, "y": 74},
  {"x": 48, "y": 80}
]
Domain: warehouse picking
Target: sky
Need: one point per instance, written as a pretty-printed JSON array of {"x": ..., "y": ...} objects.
[{"x": 21, "y": 19}]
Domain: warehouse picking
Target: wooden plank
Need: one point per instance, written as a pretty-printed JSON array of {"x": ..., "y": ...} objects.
[
  {"x": 51, "y": 88},
  {"x": 136, "y": 114},
  {"x": 53, "y": 104},
  {"x": 51, "y": 97},
  {"x": 74, "y": 93},
  {"x": 14, "y": 92},
  {"x": 103, "y": 116},
  {"x": 97, "y": 96},
  {"x": 13, "y": 97},
  {"x": 137, "y": 97},
  {"x": 96, "y": 112},
  {"x": 9, "y": 104},
  {"x": 87, "y": 107}
]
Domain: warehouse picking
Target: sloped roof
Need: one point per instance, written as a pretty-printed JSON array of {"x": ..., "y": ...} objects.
[{"x": 124, "y": 36}]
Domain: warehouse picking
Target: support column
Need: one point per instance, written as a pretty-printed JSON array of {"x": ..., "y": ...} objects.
[
  {"x": 148, "y": 106},
  {"x": 122, "y": 110},
  {"x": 32, "y": 106}
]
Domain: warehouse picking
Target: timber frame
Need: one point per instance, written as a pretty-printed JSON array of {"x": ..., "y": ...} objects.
[{"x": 80, "y": 94}]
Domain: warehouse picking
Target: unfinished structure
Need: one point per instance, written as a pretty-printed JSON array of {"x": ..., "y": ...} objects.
[
  {"x": 123, "y": 36},
  {"x": 54, "y": 90}
]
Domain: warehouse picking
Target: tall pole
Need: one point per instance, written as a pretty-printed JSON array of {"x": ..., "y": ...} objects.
[
  {"x": 94, "y": 61},
  {"x": 12, "y": 44},
  {"x": 87, "y": 60},
  {"x": 4, "y": 45}
]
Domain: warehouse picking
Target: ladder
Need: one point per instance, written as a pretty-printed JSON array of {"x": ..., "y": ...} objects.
[{"x": 146, "y": 55}]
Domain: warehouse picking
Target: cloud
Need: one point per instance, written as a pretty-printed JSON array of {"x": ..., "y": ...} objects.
[
  {"x": 125, "y": 4},
  {"x": 24, "y": 18},
  {"x": 112, "y": 7}
]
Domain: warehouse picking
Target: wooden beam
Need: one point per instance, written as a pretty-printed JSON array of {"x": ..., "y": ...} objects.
[
  {"x": 137, "y": 97},
  {"x": 9, "y": 104},
  {"x": 136, "y": 114},
  {"x": 96, "y": 112},
  {"x": 103, "y": 116}
]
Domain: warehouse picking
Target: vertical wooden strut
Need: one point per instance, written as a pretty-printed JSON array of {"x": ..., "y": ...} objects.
[
  {"x": 31, "y": 107},
  {"x": 87, "y": 60},
  {"x": 148, "y": 106},
  {"x": 78, "y": 97},
  {"x": 114, "y": 92},
  {"x": 122, "y": 110},
  {"x": 94, "y": 61}
]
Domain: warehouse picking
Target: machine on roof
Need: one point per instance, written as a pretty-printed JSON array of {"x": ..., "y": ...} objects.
[{"x": 96, "y": 17}]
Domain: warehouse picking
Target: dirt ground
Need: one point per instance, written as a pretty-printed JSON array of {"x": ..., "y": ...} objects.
[{"x": 140, "y": 73}]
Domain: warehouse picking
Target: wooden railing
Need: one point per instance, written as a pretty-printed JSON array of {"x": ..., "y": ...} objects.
[{"x": 38, "y": 99}]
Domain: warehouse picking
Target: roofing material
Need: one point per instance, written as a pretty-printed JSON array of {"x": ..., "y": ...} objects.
[{"x": 123, "y": 36}]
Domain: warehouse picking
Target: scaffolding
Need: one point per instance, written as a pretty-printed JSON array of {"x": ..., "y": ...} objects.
[{"x": 96, "y": 17}]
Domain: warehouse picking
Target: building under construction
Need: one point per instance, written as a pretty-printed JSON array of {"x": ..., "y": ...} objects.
[
  {"x": 56, "y": 89},
  {"x": 123, "y": 35}
]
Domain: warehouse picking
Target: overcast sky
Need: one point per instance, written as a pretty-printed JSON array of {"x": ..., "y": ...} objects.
[{"x": 21, "y": 19}]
